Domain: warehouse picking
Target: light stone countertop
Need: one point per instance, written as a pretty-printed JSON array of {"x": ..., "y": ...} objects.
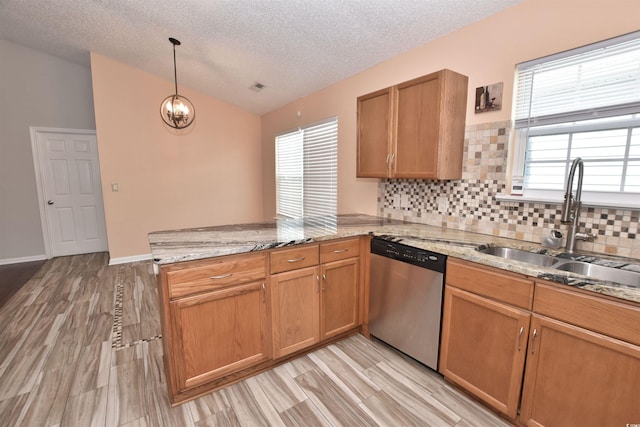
[{"x": 199, "y": 243}]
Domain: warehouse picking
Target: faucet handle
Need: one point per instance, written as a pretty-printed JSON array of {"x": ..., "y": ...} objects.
[{"x": 587, "y": 237}]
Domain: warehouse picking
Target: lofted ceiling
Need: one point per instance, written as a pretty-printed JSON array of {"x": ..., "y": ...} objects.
[{"x": 292, "y": 47}]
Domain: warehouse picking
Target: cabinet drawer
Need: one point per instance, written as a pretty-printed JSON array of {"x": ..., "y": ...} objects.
[
  {"x": 341, "y": 249},
  {"x": 490, "y": 282},
  {"x": 294, "y": 258},
  {"x": 612, "y": 318},
  {"x": 211, "y": 274}
]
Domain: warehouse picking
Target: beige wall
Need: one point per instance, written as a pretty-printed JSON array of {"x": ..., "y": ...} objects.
[
  {"x": 486, "y": 51},
  {"x": 36, "y": 89},
  {"x": 210, "y": 174}
]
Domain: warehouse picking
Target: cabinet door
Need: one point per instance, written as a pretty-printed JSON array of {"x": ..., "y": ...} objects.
[
  {"x": 483, "y": 349},
  {"x": 418, "y": 128},
  {"x": 219, "y": 332},
  {"x": 375, "y": 126},
  {"x": 295, "y": 307},
  {"x": 339, "y": 302},
  {"x": 579, "y": 378}
]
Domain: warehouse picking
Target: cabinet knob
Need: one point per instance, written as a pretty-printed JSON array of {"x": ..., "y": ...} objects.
[{"x": 50, "y": 202}]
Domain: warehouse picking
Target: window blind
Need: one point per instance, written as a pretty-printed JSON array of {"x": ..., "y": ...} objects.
[
  {"x": 307, "y": 171},
  {"x": 581, "y": 103},
  {"x": 599, "y": 80},
  {"x": 289, "y": 174}
]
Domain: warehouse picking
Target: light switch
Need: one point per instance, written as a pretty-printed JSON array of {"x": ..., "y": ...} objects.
[{"x": 114, "y": 187}]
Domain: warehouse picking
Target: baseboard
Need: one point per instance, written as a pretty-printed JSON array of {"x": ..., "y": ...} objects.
[
  {"x": 128, "y": 259},
  {"x": 22, "y": 259}
]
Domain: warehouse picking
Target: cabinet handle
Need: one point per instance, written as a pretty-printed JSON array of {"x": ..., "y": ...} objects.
[
  {"x": 224, "y": 276},
  {"x": 339, "y": 251},
  {"x": 393, "y": 157},
  {"x": 295, "y": 259},
  {"x": 533, "y": 340},
  {"x": 263, "y": 293},
  {"x": 520, "y": 336},
  {"x": 317, "y": 283},
  {"x": 324, "y": 282},
  {"x": 386, "y": 160}
]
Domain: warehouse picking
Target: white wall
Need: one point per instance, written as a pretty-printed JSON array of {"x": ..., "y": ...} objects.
[{"x": 36, "y": 89}]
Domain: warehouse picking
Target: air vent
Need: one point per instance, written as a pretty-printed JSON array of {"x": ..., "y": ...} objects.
[{"x": 256, "y": 87}]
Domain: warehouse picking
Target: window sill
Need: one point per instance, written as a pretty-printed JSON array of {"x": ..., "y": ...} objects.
[{"x": 590, "y": 200}]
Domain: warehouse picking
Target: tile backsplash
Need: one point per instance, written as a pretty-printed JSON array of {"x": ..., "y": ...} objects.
[{"x": 469, "y": 204}]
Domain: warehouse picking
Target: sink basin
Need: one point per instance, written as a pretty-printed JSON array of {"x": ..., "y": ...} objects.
[
  {"x": 519, "y": 255},
  {"x": 600, "y": 272},
  {"x": 593, "y": 271}
]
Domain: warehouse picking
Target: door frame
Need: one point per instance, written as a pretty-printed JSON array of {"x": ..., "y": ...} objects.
[{"x": 39, "y": 175}]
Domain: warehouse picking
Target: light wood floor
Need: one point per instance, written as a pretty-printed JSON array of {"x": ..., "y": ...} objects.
[{"x": 80, "y": 345}]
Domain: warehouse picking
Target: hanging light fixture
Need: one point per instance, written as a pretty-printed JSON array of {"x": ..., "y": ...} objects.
[{"x": 176, "y": 110}]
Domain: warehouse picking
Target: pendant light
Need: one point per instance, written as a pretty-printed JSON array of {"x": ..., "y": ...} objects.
[{"x": 176, "y": 110}]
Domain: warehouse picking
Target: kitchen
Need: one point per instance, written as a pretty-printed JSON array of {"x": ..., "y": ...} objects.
[{"x": 177, "y": 181}]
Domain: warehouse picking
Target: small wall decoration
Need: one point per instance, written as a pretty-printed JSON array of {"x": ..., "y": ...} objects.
[{"x": 489, "y": 98}]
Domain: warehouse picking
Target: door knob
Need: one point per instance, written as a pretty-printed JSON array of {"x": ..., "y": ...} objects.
[{"x": 50, "y": 202}]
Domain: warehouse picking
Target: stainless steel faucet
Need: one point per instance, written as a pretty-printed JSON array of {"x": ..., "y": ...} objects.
[{"x": 571, "y": 206}]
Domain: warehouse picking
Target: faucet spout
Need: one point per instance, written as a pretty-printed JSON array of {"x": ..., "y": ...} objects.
[{"x": 571, "y": 206}]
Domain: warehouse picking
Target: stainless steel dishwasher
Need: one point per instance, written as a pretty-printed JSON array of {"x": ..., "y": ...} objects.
[{"x": 405, "y": 303}]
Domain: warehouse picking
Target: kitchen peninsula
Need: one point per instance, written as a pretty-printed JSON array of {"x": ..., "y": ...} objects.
[
  {"x": 174, "y": 246},
  {"x": 238, "y": 299}
]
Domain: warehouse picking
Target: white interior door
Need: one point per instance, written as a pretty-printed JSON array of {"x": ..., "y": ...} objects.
[{"x": 70, "y": 191}]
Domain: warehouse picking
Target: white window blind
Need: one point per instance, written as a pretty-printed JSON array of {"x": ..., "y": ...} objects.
[
  {"x": 600, "y": 80},
  {"x": 581, "y": 103},
  {"x": 307, "y": 171}
]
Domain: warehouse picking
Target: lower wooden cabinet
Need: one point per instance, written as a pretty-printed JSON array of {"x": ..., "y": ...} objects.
[
  {"x": 295, "y": 306},
  {"x": 313, "y": 304},
  {"x": 484, "y": 345},
  {"x": 581, "y": 351},
  {"x": 339, "y": 297},
  {"x": 576, "y": 377},
  {"x": 220, "y": 332}
]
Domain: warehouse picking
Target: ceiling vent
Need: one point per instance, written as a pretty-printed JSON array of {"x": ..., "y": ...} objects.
[{"x": 256, "y": 87}]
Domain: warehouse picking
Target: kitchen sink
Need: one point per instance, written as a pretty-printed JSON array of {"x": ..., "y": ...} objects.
[
  {"x": 600, "y": 272},
  {"x": 519, "y": 255},
  {"x": 586, "y": 269}
]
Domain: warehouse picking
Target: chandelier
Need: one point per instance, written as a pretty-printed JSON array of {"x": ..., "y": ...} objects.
[{"x": 176, "y": 110}]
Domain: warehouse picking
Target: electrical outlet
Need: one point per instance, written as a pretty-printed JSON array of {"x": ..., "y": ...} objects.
[
  {"x": 114, "y": 187},
  {"x": 442, "y": 204}
]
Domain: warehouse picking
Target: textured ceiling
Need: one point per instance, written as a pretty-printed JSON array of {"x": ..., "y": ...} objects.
[{"x": 293, "y": 47}]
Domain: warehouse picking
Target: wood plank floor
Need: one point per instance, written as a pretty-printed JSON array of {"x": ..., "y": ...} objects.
[{"x": 81, "y": 346}]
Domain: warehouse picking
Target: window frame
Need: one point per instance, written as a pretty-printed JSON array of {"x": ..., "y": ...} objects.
[{"x": 522, "y": 132}]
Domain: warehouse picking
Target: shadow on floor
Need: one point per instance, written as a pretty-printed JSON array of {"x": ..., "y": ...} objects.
[{"x": 13, "y": 276}]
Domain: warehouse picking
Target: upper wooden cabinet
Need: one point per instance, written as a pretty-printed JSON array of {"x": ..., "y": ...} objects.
[{"x": 414, "y": 129}]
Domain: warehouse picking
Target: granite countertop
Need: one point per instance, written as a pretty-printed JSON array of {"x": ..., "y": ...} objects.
[{"x": 199, "y": 243}]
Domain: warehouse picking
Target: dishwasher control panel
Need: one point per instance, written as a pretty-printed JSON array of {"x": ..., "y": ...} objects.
[{"x": 416, "y": 256}]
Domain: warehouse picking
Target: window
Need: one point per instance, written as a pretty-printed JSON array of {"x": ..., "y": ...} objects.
[
  {"x": 307, "y": 171},
  {"x": 581, "y": 103}
]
